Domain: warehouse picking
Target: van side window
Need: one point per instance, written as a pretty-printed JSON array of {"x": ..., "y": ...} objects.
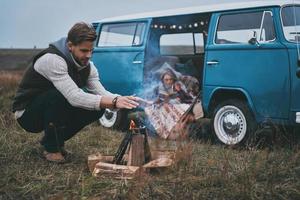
[
  {"x": 241, "y": 27},
  {"x": 181, "y": 44},
  {"x": 122, "y": 34},
  {"x": 199, "y": 43},
  {"x": 291, "y": 23}
]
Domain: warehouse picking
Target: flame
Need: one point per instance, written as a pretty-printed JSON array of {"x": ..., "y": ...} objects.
[{"x": 132, "y": 125}]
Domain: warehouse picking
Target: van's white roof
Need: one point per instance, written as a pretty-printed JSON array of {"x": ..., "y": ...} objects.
[{"x": 203, "y": 9}]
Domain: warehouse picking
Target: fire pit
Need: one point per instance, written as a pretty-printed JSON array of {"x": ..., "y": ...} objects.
[{"x": 134, "y": 156}]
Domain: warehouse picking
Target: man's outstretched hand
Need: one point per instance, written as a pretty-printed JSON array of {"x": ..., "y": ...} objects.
[{"x": 128, "y": 102}]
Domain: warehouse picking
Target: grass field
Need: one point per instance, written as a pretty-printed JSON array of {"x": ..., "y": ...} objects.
[
  {"x": 15, "y": 59},
  {"x": 207, "y": 170}
]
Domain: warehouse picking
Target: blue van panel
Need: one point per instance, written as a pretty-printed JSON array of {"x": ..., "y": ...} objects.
[
  {"x": 121, "y": 69},
  {"x": 210, "y": 91},
  {"x": 262, "y": 71},
  {"x": 117, "y": 70},
  {"x": 295, "y": 81}
]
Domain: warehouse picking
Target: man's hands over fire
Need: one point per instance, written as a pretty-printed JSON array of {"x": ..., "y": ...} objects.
[
  {"x": 130, "y": 102},
  {"x": 127, "y": 102}
]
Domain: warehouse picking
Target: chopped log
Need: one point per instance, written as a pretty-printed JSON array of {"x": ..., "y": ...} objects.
[
  {"x": 160, "y": 162},
  {"x": 163, "y": 154},
  {"x": 116, "y": 171},
  {"x": 137, "y": 151},
  {"x": 95, "y": 158}
]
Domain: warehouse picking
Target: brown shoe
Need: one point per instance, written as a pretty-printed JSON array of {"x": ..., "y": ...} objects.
[
  {"x": 65, "y": 153},
  {"x": 56, "y": 157}
]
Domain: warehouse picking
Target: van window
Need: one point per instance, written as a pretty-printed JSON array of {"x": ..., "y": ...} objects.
[
  {"x": 181, "y": 44},
  {"x": 240, "y": 28},
  {"x": 123, "y": 34},
  {"x": 291, "y": 23},
  {"x": 199, "y": 42}
]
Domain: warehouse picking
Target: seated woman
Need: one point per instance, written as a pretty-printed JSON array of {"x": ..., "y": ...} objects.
[
  {"x": 171, "y": 90},
  {"x": 174, "y": 108}
]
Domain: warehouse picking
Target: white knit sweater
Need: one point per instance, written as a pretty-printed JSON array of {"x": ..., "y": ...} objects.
[{"x": 55, "y": 69}]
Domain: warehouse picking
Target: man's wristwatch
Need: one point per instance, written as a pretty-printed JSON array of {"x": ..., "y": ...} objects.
[{"x": 114, "y": 102}]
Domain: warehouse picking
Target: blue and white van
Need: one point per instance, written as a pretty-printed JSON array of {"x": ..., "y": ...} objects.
[{"x": 245, "y": 55}]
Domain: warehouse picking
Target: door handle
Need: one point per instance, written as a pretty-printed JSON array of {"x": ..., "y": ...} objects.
[
  {"x": 213, "y": 62},
  {"x": 137, "y": 62}
]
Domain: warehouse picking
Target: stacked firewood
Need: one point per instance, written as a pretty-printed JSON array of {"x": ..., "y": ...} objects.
[{"x": 133, "y": 157}]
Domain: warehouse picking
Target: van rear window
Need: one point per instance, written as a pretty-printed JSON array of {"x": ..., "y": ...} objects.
[
  {"x": 122, "y": 34},
  {"x": 291, "y": 23},
  {"x": 181, "y": 44}
]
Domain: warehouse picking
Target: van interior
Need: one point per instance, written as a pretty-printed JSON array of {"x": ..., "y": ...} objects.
[{"x": 178, "y": 41}]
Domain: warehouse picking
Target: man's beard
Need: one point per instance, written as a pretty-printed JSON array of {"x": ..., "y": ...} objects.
[{"x": 81, "y": 63}]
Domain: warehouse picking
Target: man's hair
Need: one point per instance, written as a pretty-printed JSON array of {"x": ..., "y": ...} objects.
[{"x": 81, "y": 32}]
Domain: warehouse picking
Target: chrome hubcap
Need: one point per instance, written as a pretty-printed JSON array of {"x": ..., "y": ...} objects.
[
  {"x": 109, "y": 118},
  {"x": 108, "y": 114},
  {"x": 230, "y": 125}
]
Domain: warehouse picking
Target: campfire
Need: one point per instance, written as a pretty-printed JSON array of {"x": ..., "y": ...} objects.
[{"x": 134, "y": 156}]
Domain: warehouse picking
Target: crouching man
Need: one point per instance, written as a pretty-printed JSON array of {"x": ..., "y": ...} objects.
[{"x": 61, "y": 93}]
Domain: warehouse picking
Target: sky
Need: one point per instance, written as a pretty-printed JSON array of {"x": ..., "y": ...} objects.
[{"x": 29, "y": 23}]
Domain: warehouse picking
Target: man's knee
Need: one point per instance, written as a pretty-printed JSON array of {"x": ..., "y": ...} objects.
[
  {"x": 54, "y": 97},
  {"x": 91, "y": 116}
]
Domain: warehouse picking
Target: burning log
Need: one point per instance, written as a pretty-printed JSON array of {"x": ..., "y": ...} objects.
[
  {"x": 136, "y": 151},
  {"x": 139, "y": 152}
]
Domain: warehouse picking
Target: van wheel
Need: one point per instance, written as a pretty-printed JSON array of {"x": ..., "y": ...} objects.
[
  {"x": 114, "y": 119},
  {"x": 233, "y": 123}
]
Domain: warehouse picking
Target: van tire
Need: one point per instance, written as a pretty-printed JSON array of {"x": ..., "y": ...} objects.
[
  {"x": 114, "y": 119},
  {"x": 233, "y": 123}
]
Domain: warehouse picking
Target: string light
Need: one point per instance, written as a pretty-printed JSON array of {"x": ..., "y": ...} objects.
[{"x": 179, "y": 27}]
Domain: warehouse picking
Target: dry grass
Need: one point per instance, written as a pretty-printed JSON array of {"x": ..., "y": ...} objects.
[
  {"x": 205, "y": 170},
  {"x": 9, "y": 80}
]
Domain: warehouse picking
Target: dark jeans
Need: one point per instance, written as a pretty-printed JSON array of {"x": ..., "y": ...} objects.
[{"x": 51, "y": 112}]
